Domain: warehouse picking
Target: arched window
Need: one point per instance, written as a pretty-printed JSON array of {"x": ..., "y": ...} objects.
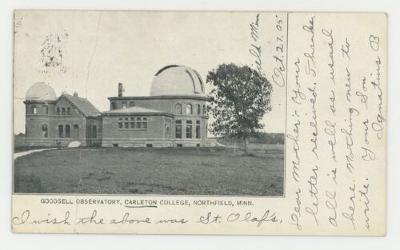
[
  {"x": 67, "y": 131},
  {"x": 45, "y": 131},
  {"x": 34, "y": 110},
  {"x": 113, "y": 106},
  {"x": 189, "y": 109},
  {"x": 178, "y": 108},
  {"x": 60, "y": 131},
  {"x": 94, "y": 131},
  {"x": 76, "y": 131}
]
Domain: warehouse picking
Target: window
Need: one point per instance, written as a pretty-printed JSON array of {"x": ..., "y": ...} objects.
[
  {"x": 58, "y": 110},
  {"x": 178, "y": 109},
  {"x": 168, "y": 129},
  {"x": 189, "y": 109},
  {"x": 178, "y": 131},
  {"x": 123, "y": 104},
  {"x": 34, "y": 110},
  {"x": 131, "y": 103},
  {"x": 120, "y": 123},
  {"x": 198, "y": 109},
  {"x": 204, "y": 109},
  {"x": 46, "y": 109},
  {"x": 133, "y": 124},
  {"x": 68, "y": 111},
  {"x": 44, "y": 131},
  {"x": 67, "y": 131},
  {"x": 76, "y": 131},
  {"x": 197, "y": 129},
  {"x": 126, "y": 123},
  {"x": 188, "y": 129},
  {"x": 113, "y": 106},
  {"x": 63, "y": 111},
  {"x": 60, "y": 131},
  {"x": 144, "y": 122},
  {"x": 94, "y": 131}
]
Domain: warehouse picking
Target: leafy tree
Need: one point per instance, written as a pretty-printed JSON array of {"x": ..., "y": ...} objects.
[{"x": 240, "y": 97}]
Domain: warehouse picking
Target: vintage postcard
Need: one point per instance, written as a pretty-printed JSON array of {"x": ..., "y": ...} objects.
[{"x": 155, "y": 122}]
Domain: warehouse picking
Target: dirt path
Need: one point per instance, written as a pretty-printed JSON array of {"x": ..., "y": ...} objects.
[{"x": 19, "y": 154}]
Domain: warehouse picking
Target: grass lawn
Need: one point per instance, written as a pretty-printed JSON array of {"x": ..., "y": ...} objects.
[{"x": 178, "y": 171}]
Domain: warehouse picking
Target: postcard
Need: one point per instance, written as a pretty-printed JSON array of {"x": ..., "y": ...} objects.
[{"x": 194, "y": 122}]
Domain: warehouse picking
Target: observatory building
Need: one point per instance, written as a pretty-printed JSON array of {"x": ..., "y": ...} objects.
[{"x": 173, "y": 115}]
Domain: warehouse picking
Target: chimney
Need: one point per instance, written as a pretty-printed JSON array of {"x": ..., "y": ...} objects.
[
  {"x": 76, "y": 94},
  {"x": 120, "y": 89}
]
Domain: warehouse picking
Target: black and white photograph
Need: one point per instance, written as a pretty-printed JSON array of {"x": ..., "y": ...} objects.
[
  {"x": 149, "y": 103},
  {"x": 199, "y": 122}
]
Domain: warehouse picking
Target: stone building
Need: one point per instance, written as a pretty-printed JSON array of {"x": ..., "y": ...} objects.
[
  {"x": 52, "y": 120},
  {"x": 174, "y": 115}
]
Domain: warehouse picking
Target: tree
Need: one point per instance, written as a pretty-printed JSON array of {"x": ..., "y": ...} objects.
[{"x": 240, "y": 97}]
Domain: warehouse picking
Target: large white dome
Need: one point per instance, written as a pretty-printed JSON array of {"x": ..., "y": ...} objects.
[
  {"x": 40, "y": 91},
  {"x": 177, "y": 80}
]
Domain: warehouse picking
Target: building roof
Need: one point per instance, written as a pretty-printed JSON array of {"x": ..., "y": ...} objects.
[
  {"x": 137, "y": 110},
  {"x": 189, "y": 97},
  {"x": 83, "y": 105},
  {"x": 40, "y": 91},
  {"x": 177, "y": 80}
]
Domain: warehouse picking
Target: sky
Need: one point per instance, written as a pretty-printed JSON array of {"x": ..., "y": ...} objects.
[{"x": 98, "y": 49}]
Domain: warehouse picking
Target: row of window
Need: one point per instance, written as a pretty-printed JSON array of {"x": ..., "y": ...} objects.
[
  {"x": 34, "y": 110},
  {"x": 64, "y": 131},
  {"x": 188, "y": 129},
  {"x": 124, "y": 104},
  {"x": 132, "y": 123},
  {"x": 60, "y": 111},
  {"x": 188, "y": 109},
  {"x": 141, "y": 123},
  {"x": 63, "y": 111}
]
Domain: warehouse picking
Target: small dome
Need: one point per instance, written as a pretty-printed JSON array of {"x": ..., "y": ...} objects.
[
  {"x": 40, "y": 91},
  {"x": 177, "y": 80}
]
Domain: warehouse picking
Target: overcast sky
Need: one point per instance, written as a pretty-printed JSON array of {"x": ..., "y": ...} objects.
[{"x": 100, "y": 49}]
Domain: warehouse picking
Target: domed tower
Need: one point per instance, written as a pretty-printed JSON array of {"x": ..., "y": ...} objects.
[
  {"x": 40, "y": 91},
  {"x": 177, "y": 80},
  {"x": 39, "y": 106},
  {"x": 183, "y": 87},
  {"x": 175, "y": 113}
]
